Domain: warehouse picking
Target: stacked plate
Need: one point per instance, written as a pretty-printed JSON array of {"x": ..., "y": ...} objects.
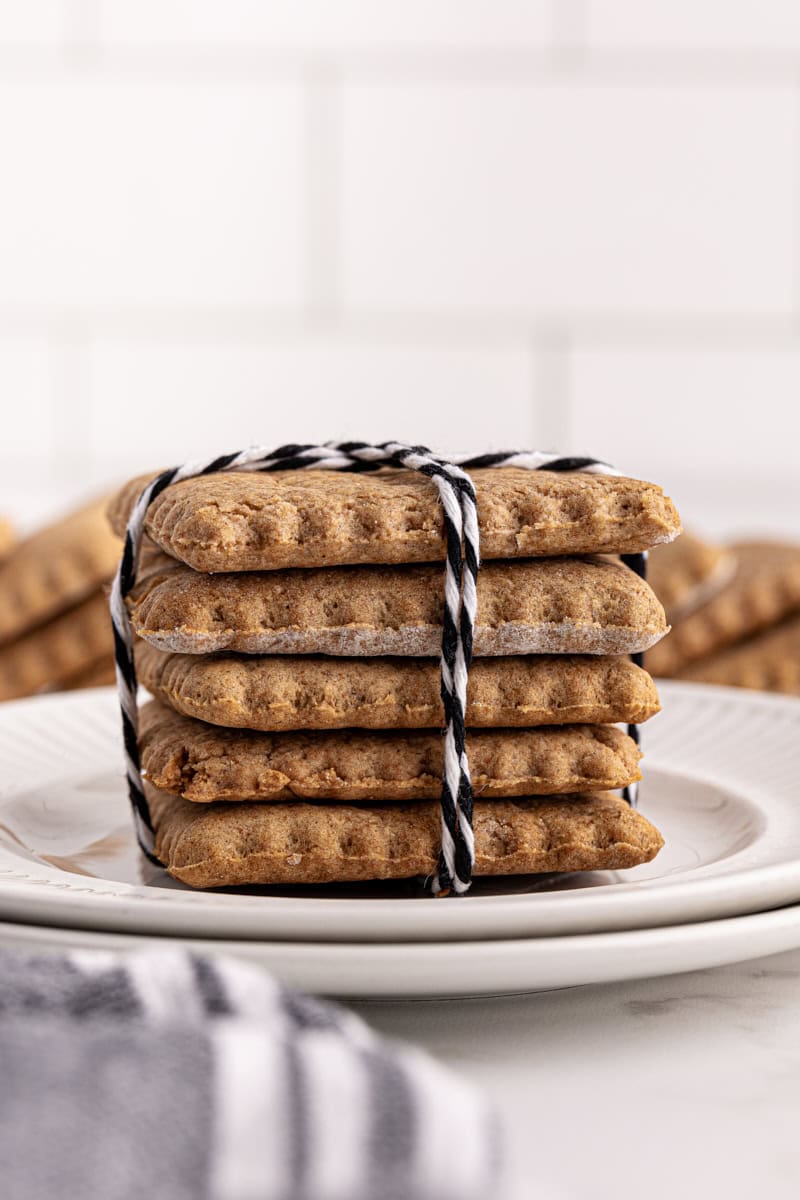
[{"x": 720, "y": 782}]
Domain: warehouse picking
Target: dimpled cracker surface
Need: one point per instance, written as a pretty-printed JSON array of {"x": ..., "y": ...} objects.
[
  {"x": 535, "y": 606},
  {"x": 255, "y": 522},
  {"x": 768, "y": 662},
  {"x": 206, "y": 763},
  {"x": 687, "y": 573},
  {"x": 226, "y": 845},
  {"x": 764, "y": 590},
  {"x": 282, "y": 693},
  {"x": 55, "y": 568},
  {"x": 50, "y": 655}
]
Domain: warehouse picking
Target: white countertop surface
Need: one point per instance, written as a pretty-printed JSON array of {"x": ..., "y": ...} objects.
[{"x": 681, "y": 1087}]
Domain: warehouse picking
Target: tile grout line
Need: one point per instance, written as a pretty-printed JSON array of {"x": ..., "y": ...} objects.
[
  {"x": 81, "y": 35},
  {"x": 568, "y": 398},
  {"x": 444, "y": 327},
  {"x": 68, "y": 351},
  {"x": 550, "y": 399},
  {"x": 796, "y": 185},
  {"x": 568, "y": 32},
  {"x": 569, "y": 54},
  {"x": 321, "y": 167}
]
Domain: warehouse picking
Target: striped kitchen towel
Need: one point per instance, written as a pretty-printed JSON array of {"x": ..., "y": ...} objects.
[{"x": 159, "y": 1074}]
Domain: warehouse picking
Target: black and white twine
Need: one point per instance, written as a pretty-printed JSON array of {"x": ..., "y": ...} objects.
[{"x": 457, "y": 495}]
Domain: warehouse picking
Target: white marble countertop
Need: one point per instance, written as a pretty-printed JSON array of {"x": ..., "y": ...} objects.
[{"x": 680, "y": 1087}]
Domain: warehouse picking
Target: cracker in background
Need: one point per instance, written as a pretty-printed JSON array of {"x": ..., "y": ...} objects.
[
  {"x": 8, "y": 537},
  {"x": 97, "y": 674},
  {"x": 768, "y": 662},
  {"x": 281, "y": 693},
  {"x": 55, "y": 568},
  {"x": 205, "y": 763},
  {"x": 245, "y": 521},
  {"x": 54, "y": 653},
  {"x": 687, "y": 573},
  {"x": 535, "y": 606},
  {"x": 225, "y": 845},
  {"x": 764, "y": 590}
]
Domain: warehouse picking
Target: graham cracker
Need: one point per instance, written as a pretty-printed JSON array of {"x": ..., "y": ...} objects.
[
  {"x": 232, "y": 845},
  {"x": 8, "y": 537},
  {"x": 768, "y": 662},
  {"x": 687, "y": 573},
  {"x": 243, "y": 521},
  {"x": 54, "y": 653},
  {"x": 54, "y": 569},
  {"x": 534, "y": 606},
  {"x": 764, "y": 590},
  {"x": 283, "y": 693},
  {"x": 205, "y": 763},
  {"x": 97, "y": 674}
]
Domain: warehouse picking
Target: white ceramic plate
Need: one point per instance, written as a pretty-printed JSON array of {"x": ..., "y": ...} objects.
[
  {"x": 721, "y": 774},
  {"x": 416, "y": 969}
]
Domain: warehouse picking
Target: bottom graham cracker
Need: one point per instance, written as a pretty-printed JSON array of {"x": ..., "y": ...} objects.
[{"x": 226, "y": 845}]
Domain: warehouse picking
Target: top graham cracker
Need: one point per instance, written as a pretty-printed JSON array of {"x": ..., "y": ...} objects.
[{"x": 242, "y": 521}]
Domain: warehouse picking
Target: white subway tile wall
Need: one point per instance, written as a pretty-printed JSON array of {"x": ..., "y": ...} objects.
[
  {"x": 558, "y": 198},
  {"x": 474, "y": 223},
  {"x": 370, "y": 391},
  {"x": 150, "y": 194},
  {"x": 326, "y": 25},
  {"x": 29, "y": 391},
  {"x": 694, "y": 24},
  {"x": 38, "y": 24},
  {"x": 708, "y": 424}
]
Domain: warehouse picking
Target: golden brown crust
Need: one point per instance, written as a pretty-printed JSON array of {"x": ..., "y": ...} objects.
[
  {"x": 282, "y": 693},
  {"x": 55, "y": 569},
  {"x": 687, "y": 573},
  {"x": 205, "y": 763},
  {"x": 254, "y": 522},
  {"x": 768, "y": 662},
  {"x": 228, "y": 845},
  {"x": 765, "y": 589},
  {"x": 52, "y": 654},
  {"x": 534, "y": 606}
]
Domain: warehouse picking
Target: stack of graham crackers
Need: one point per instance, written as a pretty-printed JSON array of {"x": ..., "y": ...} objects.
[
  {"x": 735, "y": 613},
  {"x": 290, "y": 627},
  {"x": 54, "y": 627}
]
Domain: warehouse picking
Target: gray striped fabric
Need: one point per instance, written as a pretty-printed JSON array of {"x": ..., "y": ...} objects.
[{"x": 158, "y": 1074}]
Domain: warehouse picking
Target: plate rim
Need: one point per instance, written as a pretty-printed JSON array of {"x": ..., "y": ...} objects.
[
  {"x": 78, "y": 903},
  {"x": 389, "y": 968}
]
